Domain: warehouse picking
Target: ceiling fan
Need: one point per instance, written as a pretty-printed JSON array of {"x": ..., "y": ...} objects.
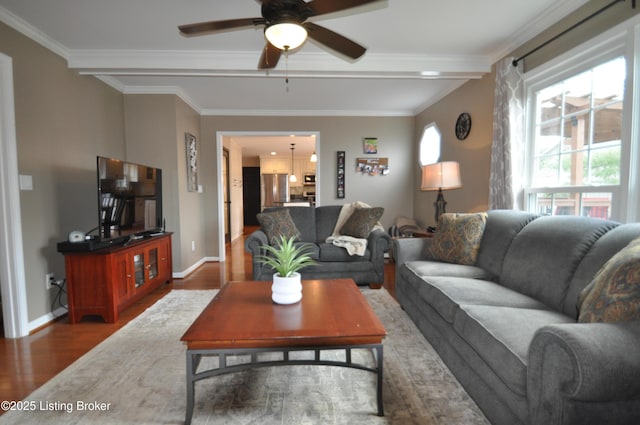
[{"x": 280, "y": 17}]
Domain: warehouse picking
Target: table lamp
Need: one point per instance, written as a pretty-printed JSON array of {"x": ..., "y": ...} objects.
[{"x": 440, "y": 176}]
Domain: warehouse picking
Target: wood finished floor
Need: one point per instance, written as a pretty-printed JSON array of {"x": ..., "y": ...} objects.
[{"x": 29, "y": 362}]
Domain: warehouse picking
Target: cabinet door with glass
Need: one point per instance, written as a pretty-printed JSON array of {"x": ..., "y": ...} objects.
[{"x": 140, "y": 268}]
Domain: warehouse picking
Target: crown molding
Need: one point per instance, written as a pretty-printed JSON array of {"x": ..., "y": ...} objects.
[
  {"x": 32, "y": 32},
  {"x": 305, "y": 113},
  {"x": 171, "y": 90},
  {"x": 548, "y": 18}
]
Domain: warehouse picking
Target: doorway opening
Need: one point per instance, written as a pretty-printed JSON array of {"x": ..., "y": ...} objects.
[{"x": 247, "y": 150}]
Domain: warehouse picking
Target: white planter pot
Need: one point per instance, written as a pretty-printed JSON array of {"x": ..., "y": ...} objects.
[{"x": 286, "y": 290}]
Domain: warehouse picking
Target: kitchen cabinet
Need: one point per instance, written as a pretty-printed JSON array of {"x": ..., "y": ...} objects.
[{"x": 275, "y": 165}]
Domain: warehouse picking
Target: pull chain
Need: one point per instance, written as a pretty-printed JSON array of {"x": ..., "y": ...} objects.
[{"x": 286, "y": 76}]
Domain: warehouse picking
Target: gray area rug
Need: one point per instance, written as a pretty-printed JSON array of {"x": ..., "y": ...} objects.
[{"x": 137, "y": 376}]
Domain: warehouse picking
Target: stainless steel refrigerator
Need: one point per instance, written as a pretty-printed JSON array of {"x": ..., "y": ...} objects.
[{"x": 274, "y": 190}]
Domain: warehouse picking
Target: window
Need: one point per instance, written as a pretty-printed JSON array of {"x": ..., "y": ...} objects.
[
  {"x": 577, "y": 141},
  {"x": 430, "y": 145},
  {"x": 578, "y": 137}
]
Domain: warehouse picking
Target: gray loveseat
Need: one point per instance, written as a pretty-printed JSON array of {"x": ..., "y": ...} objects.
[
  {"x": 507, "y": 326},
  {"x": 315, "y": 225}
]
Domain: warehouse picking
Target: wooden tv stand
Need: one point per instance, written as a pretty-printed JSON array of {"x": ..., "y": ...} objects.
[{"x": 106, "y": 281}]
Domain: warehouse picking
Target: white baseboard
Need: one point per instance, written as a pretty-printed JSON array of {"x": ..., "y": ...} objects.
[
  {"x": 185, "y": 273},
  {"x": 50, "y": 317},
  {"x": 47, "y": 318}
]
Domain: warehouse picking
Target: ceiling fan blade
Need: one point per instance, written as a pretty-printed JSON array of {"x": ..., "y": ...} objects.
[
  {"x": 270, "y": 56},
  {"x": 320, "y": 7},
  {"x": 201, "y": 28},
  {"x": 334, "y": 40}
]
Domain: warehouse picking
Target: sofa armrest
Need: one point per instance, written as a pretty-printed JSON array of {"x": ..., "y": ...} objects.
[
  {"x": 378, "y": 243},
  {"x": 582, "y": 362},
  {"x": 253, "y": 244},
  {"x": 409, "y": 249}
]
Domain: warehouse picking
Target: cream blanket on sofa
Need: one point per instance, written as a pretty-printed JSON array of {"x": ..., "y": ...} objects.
[{"x": 354, "y": 246}]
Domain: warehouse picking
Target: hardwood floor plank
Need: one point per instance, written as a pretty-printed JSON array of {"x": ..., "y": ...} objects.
[{"x": 31, "y": 361}]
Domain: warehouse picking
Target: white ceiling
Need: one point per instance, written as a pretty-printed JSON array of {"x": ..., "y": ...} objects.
[{"x": 418, "y": 51}]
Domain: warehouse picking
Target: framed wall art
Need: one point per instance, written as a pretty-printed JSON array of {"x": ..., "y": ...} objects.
[
  {"x": 340, "y": 169},
  {"x": 373, "y": 166},
  {"x": 370, "y": 145},
  {"x": 192, "y": 162}
]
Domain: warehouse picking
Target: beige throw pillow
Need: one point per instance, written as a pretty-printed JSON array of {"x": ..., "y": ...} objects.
[
  {"x": 278, "y": 223},
  {"x": 457, "y": 239},
  {"x": 614, "y": 293}
]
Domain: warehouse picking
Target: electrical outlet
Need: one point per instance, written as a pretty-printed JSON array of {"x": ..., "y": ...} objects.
[
  {"x": 49, "y": 279},
  {"x": 193, "y": 246}
]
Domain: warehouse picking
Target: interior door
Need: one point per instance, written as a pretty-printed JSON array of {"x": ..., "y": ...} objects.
[
  {"x": 251, "y": 195},
  {"x": 226, "y": 195}
]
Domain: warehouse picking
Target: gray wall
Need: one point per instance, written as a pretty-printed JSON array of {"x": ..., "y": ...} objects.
[
  {"x": 396, "y": 140},
  {"x": 155, "y": 134},
  {"x": 473, "y": 153},
  {"x": 63, "y": 120}
]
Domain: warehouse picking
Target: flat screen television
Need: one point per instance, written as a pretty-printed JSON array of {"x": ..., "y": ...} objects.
[{"x": 129, "y": 199}]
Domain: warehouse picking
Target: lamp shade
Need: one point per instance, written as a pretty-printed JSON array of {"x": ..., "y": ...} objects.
[
  {"x": 286, "y": 35},
  {"x": 441, "y": 175}
]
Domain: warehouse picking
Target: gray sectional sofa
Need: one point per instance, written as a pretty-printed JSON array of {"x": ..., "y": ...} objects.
[
  {"x": 507, "y": 325},
  {"x": 315, "y": 225}
]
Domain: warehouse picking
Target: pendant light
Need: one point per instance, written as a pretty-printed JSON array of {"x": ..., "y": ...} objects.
[
  {"x": 314, "y": 157},
  {"x": 292, "y": 177}
]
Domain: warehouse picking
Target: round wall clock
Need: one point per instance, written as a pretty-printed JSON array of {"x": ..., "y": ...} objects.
[{"x": 463, "y": 126}]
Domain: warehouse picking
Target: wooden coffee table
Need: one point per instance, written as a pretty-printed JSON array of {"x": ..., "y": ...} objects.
[{"x": 242, "y": 322}]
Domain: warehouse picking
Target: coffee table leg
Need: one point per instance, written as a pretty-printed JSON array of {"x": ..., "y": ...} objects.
[
  {"x": 379, "y": 390},
  {"x": 190, "y": 388}
]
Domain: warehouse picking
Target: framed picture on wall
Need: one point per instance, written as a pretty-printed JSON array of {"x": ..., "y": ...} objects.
[
  {"x": 370, "y": 145},
  {"x": 340, "y": 183},
  {"x": 192, "y": 162},
  {"x": 373, "y": 166}
]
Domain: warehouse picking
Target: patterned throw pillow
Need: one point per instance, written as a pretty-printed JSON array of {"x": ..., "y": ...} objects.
[
  {"x": 361, "y": 222},
  {"x": 614, "y": 293},
  {"x": 458, "y": 238},
  {"x": 277, "y": 223}
]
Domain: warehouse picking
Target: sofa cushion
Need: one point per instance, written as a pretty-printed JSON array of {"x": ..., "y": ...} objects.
[
  {"x": 278, "y": 223},
  {"x": 332, "y": 253},
  {"x": 361, "y": 222},
  {"x": 458, "y": 238},
  {"x": 423, "y": 268},
  {"x": 501, "y": 227},
  {"x": 305, "y": 220},
  {"x": 326, "y": 219},
  {"x": 311, "y": 249},
  {"x": 446, "y": 293},
  {"x": 544, "y": 255},
  {"x": 614, "y": 293},
  {"x": 501, "y": 337}
]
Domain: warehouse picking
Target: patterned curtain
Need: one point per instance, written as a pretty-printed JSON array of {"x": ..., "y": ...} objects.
[{"x": 507, "y": 149}]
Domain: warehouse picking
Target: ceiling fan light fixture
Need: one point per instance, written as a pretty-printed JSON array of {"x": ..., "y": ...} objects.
[{"x": 285, "y": 35}]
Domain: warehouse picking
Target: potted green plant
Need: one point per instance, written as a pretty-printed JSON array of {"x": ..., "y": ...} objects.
[{"x": 287, "y": 259}]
